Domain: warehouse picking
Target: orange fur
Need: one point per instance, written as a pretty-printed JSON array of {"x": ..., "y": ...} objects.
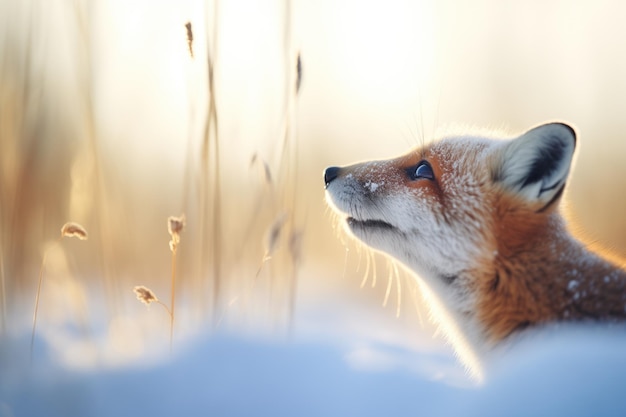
[{"x": 538, "y": 272}]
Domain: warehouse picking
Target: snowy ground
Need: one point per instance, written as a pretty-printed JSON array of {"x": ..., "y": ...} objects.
[
  {"x": 345, "y": 356},
  {"x": 568, "y": 373},
  {"x": 222, "y": 376}
]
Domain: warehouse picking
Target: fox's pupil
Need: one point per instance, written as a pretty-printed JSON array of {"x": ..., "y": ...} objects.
[{"x": 424, "y": 171}]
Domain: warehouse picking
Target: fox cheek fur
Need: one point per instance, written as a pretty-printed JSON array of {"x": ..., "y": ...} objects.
[{"x": 434, "y": 225}]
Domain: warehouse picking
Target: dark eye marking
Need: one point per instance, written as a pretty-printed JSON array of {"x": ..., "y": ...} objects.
[{"x": 423, "y": 170}]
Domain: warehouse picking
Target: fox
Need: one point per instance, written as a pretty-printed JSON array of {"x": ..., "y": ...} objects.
[{"x": 477, "y": 220}]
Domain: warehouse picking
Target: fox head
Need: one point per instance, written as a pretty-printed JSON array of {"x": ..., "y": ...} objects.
[{"x": 455, "y": 211}]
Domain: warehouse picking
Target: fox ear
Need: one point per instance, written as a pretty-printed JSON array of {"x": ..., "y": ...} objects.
[{"x": 535, "y": 166}]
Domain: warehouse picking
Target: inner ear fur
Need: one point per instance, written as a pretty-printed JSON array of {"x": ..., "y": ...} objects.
[{"x": 535, "y": 166}]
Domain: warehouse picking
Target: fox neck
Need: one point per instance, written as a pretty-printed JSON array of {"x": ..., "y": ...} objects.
[{"x": 550, "y": 278}]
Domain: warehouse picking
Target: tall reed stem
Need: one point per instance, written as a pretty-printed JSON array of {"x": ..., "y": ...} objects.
[
  {"x": 175, "y": 226},
  {"x": 173, "y": 297},
  {"x": 32, "y": 337}
]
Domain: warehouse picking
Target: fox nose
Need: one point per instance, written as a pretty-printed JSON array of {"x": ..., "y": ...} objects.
[{"x": 330, "y": 174}]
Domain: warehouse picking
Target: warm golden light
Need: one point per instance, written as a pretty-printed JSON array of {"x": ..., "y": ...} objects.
[{"x": 110, "y": 129}]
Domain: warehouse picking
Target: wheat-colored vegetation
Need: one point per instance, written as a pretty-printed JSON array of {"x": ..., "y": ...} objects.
[
  {"x": 84, "y": 177},
  {"x": 175, "y": 226}
]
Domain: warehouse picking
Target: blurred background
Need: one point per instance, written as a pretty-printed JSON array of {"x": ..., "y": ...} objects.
[{"x": 117, "y": 115}]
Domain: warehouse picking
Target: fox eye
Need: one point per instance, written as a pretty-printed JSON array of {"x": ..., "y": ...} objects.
[{"x": 423, "y": 170}]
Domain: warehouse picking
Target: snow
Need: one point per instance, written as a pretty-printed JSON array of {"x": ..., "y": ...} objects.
[
  {"x": 226, "y": 376},
  {"x": 373, "y": 186},
  {"x": 579, "y": 372},
  {"x": 572, "y": 371}
]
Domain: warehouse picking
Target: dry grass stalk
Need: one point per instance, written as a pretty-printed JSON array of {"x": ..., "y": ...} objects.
[
  {"x": 274, "y": 234},
  {"x": 272, "y": 239},
  {"x": 295, "y": 250},
  {"x": 217, "y": 198},
  {"x": 211, "y": 170},
  {"x": 290, "y": 152},
  {"x": 208, "y": 183},
  {"x": 69, "y": 229},
  {"x": 285, "y": 180},
  {"x": 175, "y": 226},
  {"x": 102, "y": 201}
]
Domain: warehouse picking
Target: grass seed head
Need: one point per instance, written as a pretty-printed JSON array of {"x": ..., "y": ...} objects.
[
  {"x": 189, "y": 38},
  {"x": 267, "y": 172},
  {"x": 71, "y": 229},
  {"x": 298, "y": 73},
  {"x": 175, "y": 226},
  {"x": 275, "y": 232},
  {"x": 145, "y": 294}
]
